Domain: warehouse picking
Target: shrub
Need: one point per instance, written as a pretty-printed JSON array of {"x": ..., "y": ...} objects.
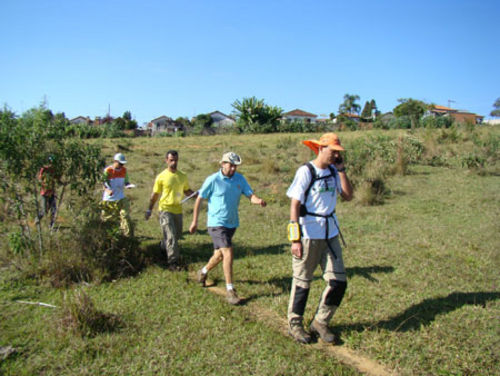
[
  {"x": 80, "y": 315},
  {"x": 437, "y": 122},
  {"x": 371, "y": 193},
  {"x": 26, "y": 143}
]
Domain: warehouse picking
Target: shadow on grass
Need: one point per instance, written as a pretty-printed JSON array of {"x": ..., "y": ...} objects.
[
  {"x": 284, "y": 284},
  {"x": 425, "y": 312},
  {"x": 367, "y": 271},
  {"x": 194, "y": 253}
]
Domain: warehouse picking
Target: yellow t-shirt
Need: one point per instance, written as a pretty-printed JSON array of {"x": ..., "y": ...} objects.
[{"x": 172, "y": 187}]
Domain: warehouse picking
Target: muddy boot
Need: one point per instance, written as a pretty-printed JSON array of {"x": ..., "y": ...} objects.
[
  {"x": 322, "y": 331},
  {"x": 296, "y": 330}
]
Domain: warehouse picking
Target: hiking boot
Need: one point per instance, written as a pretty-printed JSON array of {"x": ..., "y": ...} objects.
[
  {"x": 322, "y": 331},
  {"x": 174, "y": 267},
  {"x": 296, "y": 330},
  {"x": 232, "y": 297},
  {"x": 201, "y": 278}
]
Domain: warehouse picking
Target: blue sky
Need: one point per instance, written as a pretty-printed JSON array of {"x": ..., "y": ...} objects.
[{"x": 179, "y": 58}]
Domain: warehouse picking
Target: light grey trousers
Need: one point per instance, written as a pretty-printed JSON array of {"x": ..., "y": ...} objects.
[
  {"x": 171, "y": 226},
  {"x": 316, "y": 252}
]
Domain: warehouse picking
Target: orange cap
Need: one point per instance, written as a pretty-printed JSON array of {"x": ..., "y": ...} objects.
[{"x": 328, "y": 139}]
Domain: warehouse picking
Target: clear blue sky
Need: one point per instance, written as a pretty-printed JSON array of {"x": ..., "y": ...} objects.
[{"x": 182, "y": 58}]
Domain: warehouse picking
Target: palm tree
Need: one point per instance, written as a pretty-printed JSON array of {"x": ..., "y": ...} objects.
[
  {"x": 349, "y": 105},
  {"x": 252, "y": 114}
]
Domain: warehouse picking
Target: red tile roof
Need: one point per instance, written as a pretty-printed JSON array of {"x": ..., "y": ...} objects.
[{"x": 298, "y": 112}]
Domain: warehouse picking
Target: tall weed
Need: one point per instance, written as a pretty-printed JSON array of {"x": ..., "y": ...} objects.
[{"x": 80, "y": 315}]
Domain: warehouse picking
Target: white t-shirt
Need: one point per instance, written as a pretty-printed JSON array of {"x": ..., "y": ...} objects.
[{"x": 322, "y": 199}]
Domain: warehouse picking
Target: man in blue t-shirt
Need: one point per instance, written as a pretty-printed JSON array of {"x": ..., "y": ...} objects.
[{"x": 223, "y": 190}]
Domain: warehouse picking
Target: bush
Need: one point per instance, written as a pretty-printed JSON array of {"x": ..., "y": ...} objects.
[
  {"x": 300, "y": 126},
  {"x": 80, "y": 315},
  {"x": 402, "y": 122},
  {"x": 437, "y": 122},
  {"x": 84, "y": 250}
]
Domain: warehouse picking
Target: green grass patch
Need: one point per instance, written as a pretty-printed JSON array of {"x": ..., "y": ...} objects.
[{"x": 423, "y": 294}]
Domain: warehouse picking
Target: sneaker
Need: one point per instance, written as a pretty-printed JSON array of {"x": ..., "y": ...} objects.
[
  {"x": 322, "y": 331},
  {"x": 201, "y": 278},
  {"x": 232, "y": 297},
  {"x": 296, "y": 330}
]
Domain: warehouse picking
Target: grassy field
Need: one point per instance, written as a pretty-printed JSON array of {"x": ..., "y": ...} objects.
[{"x": 423, "y": 293}]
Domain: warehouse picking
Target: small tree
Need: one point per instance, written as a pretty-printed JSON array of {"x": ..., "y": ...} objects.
[
  {"x": 496, "y": 111},
  {"x": 125, "y": 122},
  {"x": 202, "y": 124},
  {"x": 374, "y": 108},
  {"x": 367, "y": 111},
  {"x": 412, "y": 108},
  {"x": 25, "y": 146},
  {"x": 349, "y": 105},
  {"x": 184, "y": 121}
]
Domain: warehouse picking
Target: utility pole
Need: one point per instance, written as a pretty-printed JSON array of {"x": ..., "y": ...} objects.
[{"x": 450, "y": 101}]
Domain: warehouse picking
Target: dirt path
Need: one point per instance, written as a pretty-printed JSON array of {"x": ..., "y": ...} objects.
[{"x": 343, "y": 354}]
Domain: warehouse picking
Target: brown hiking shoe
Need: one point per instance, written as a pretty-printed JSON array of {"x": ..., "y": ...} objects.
[
  {"x": 201, "y": 278},
  {"x": 322, "y": 331},
  {"x": 232, "y": 297},
  {"x": 296, "y": 330}
]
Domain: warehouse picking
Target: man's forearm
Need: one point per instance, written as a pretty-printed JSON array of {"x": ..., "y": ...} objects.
[
  {"x": 152, "y": 200},
  {"x": 196, "y": 209}
]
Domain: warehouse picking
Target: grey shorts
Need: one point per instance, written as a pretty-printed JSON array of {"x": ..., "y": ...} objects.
[{"x": 221, "y": 236}]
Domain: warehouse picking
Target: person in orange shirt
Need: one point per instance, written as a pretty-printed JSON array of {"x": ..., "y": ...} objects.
[
  {"x": 47, "y": 178},
  {"x": 114, "y": 203}
]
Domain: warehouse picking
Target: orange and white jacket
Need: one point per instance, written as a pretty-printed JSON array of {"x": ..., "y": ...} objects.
[{"x": 115, "y": 179}]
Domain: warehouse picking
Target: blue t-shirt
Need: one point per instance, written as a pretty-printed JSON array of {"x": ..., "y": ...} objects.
[{"x": 223, "y": 196}]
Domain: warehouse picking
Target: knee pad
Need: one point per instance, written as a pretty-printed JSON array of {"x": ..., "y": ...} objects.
[
  {"x": 336, "y": 293},
  {"x": 300, "y": 300}
]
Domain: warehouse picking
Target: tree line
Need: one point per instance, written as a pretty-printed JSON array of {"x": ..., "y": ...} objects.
[{"x": 253, "y": 115}]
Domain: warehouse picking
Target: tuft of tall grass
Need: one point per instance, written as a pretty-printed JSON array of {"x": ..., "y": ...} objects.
[
  {"x": 80, "y": 315},
  {"x": 270, "y": 166},
  {"x": 371, "y": 187}
]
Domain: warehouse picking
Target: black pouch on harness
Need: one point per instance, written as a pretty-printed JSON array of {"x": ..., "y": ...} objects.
[{"x": 302, "y": 211}]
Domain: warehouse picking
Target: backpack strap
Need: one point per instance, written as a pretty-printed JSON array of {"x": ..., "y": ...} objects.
[{"x": 314, "y": 177}]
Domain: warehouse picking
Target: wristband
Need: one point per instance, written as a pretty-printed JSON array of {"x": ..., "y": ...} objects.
[
  {"x": 341, "y": 169},
  {"x": 293, "y": 230}
]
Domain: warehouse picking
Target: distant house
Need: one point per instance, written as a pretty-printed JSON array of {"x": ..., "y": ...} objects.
[
  {"x": 221, "y": 120},
  {"x": 164, "y": 124},
  {"x": 81, "y": 120},
  {"x": 457, "y": 115},
  {"x": 299, "y": 115},
  {"x": 103, "y": 120}
]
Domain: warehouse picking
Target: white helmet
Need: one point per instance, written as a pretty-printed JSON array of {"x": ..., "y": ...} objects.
[{"x": 119, "y": 157}]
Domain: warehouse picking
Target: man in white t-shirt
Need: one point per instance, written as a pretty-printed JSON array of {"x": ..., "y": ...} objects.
[{"x": 313, "y": 195}]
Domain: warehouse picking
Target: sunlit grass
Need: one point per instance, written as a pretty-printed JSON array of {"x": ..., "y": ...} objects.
[{"x": 423, "y": 292}]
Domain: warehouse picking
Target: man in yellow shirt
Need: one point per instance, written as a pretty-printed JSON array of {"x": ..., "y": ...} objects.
[{"x": 171, "y": 184}]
